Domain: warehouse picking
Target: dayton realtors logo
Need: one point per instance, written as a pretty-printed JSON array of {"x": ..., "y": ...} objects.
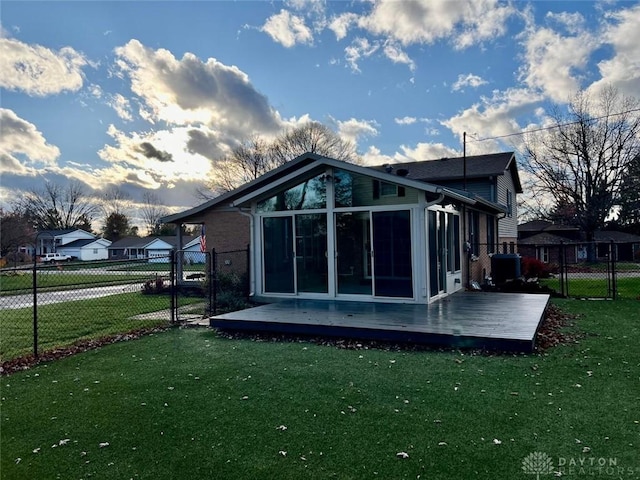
[{"x": 539, "y": 463}]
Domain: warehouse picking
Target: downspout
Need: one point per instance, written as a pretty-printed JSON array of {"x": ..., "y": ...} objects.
[{"x": 251, "y": 267}]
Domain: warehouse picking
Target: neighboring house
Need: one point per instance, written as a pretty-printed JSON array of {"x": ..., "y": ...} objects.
[
  {"x": 193, "y": 253},
  {"x": 493, "y": 177},
  {"x": 86, "y": 249},
  {"x": 155, "y": 249},
  {"x": 49, "y": 241},
  {"x": 322, "y": 228},
  {"x": 542, "y": 240}
]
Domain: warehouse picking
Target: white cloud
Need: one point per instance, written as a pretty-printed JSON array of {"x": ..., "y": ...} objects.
[
  {"x": 288, "y": 29},
  {"x": 573, "y": 22},
  {"x": 397, "y": 55},
  {"x": 360, "y": 47},
  {"x": 39, "y": 71},
  {"x": 340, "y": 24},
  {"x": 21, "y": 143},
  {"x": 553, "y": 62},
  {"x": 422, "y": 151},
  {"x": 493, "y": 117},
  {"x": 622, "y": 70},
  {"x": 468, "y": 80},
  {"x": 155, "y": 158},
  {"x": 122, "y": 106},
  {"x": 354, "y": 129},
  {"x": 426, "y": 21},
  {"x": 187, "y": 91},
  {"x": 405, "y": 120}
]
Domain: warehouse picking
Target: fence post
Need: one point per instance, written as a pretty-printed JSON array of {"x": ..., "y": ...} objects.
[
  {"x": 614, "y": 282},
  {"x": 173, "y": 289},
  {"x": 214, "y": 280},
  {"x": 563, "y": 274},
  {"x": 35, "y": 305},
  {"x": 210, "y": 288}
]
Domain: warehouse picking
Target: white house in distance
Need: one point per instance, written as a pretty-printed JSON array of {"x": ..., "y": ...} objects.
[
  {"x": 76, "y": 243},
  {"x": 87, "y": 249},
  {"x": 50, "y": 241}
]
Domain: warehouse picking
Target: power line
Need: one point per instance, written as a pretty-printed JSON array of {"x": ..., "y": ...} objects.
[{"x": 542, "y": 129}]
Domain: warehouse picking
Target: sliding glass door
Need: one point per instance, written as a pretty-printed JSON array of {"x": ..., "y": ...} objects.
[
  {"x": 381, "y": 267},
  {"x": 277, "y": 235},
  {"x": 392, "y": 268},
  {"x": 295, "y": 253}
]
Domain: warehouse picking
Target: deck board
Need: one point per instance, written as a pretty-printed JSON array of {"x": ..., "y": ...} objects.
[{"x": 505, "y": 321}]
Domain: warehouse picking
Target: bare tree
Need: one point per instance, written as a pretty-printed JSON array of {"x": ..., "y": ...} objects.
[
  {"x": 312, "y": 137},
  {"x": 580, "y": 162},
  {"x": 151, "y": 212},
  {"x": 16, "y": 232},
  {"x": 255, "y": 156},
  {"x": 115, "y": 200},
  {"x": 57, "y": 207},
  {"x": 629, "y": 213}
]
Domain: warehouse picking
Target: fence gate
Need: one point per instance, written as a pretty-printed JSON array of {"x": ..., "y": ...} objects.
[
  {"x": 588, "y": 280},
  {"x": 192, "y": 299}
]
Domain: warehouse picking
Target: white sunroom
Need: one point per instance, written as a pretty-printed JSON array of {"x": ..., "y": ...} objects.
[{"x": 326, "y": 229}]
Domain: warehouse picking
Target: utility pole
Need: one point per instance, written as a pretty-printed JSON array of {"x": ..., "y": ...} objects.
[{"x": 464, "y": 161}]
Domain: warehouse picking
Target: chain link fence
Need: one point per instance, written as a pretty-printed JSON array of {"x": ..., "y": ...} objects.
[
  {"x": 61, "y": 305},
  {"x": 607, "y": 270},
  {"x": 57, "y": 306}
]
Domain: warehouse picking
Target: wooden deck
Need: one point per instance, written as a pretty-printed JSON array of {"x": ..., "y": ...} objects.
[{"x": 497, "y": 321}]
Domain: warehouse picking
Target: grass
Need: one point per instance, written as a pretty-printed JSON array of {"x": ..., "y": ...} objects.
[
  {"x": 61, "y": 324},
  {"x": 48, "y": 280},
  {"x": 190, "y": 404},
  {"x": 628, "y": 288}
]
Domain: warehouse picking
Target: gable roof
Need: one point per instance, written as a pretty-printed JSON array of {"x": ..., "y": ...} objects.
[
  {"x": 478, "y": 166},
  {"x": 545, "y": 238},
  {"x": 62, "y": 232},
  {"x": 83, "y": 242},
  {"x": 143, "y": 242},
  {"x": 615, "y": 236},
  {"x": 545, "y": 226},
  {"x": 306, "y": 163}
]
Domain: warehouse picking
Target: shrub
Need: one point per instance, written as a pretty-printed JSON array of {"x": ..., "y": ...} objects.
[{"x": 534, "y": 268}]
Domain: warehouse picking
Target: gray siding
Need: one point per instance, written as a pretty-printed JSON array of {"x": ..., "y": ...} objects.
[{"x": 507, "y": 226}]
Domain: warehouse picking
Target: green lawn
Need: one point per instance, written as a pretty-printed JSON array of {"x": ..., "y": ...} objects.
[
  {"x": 628, "y": 288},
  {"x": 61, "y": 324},
  {"x": 50, "y": 280},
  {"x": 189, "y": 404}
]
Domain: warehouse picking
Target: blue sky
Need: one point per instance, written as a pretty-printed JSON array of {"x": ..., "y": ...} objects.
[{"x": 147, "y": 95}]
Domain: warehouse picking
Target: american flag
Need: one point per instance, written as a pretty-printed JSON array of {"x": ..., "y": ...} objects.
[{"x": 203, "y": 240}]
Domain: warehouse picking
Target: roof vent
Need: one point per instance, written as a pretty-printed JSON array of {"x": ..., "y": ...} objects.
[
  {"x": 388, "y": 168},
  {"x": 402, "y": 172}
]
